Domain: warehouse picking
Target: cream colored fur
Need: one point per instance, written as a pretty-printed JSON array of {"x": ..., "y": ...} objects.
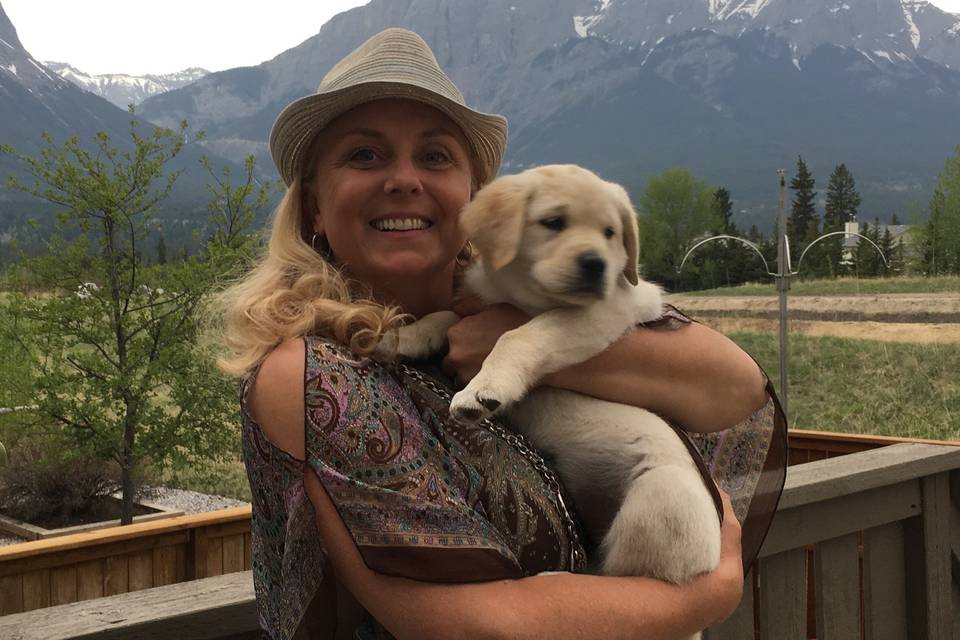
[{"x": 635, "y": 485}]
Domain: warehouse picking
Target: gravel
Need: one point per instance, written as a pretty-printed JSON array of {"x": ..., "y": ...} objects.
[{"x": 181, "y": 499}]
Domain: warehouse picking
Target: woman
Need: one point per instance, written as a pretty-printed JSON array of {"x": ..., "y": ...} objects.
[{"x": 429, "y": 529}]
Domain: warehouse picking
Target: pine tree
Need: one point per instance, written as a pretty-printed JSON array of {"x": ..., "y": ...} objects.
[
  {"x": 161, "y": 250},
  {"x": 804, "y": 212},
  {"x": 940, "y": 236},
  {"x": 842, "y": 204},
  {"x": 843, "y": 200},
  {"x": 731, "y": 257},
  {"x": 887, "y": 247}
]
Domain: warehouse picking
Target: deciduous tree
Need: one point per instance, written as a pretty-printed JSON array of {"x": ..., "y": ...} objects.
[{"x": 113, "y": 341}]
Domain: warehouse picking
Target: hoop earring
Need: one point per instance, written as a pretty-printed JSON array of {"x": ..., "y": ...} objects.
[
  {"x": 465, "y": 257},
  {"x": 324, "y": 246}
]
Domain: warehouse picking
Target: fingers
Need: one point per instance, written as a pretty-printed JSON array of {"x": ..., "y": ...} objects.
[{"x": 468, "y": 306}]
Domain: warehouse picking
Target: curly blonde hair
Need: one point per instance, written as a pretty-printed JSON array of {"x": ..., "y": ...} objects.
[{"x": 293, "y": 291}]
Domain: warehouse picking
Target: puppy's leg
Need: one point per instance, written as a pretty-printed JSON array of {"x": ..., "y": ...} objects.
[
  {"x": 667, "y": 528},
  {"x": 420, "y": 339},
  {"x": 551, "y": 341}
]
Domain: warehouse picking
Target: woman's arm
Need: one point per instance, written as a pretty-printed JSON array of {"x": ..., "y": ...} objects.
[
  {"x": 693, "y": 376},
  {"x": 551, "y": 607}
]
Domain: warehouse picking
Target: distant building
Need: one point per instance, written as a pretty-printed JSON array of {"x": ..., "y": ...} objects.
[{"x": 897, "y": 232}]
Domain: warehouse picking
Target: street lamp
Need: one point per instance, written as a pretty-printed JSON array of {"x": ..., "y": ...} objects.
[{"x": 784, "y": 271}]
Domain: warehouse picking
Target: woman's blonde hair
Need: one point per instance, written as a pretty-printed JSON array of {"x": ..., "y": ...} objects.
[{"x": 293, "y": 291}]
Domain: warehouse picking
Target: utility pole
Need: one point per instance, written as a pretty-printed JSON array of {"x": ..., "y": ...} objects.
[{"x": 783, "y": 285}]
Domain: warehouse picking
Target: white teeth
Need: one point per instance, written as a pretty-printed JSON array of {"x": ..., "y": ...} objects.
[{"x": 400, "y": 224}]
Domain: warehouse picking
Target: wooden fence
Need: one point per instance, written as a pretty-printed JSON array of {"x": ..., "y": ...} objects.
[
  {"x": 861, "y": 547},
  {"x": 883, "y": 526},
  {"x": 117, "y": 560}
]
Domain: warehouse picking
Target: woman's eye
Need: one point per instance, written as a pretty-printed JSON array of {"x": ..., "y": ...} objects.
[
  {"x": 363, "y": 155},
  {"x": 436, "y": 157},
  {"x": 609, "y": 232},
  {"x": 555, "y": 223}
]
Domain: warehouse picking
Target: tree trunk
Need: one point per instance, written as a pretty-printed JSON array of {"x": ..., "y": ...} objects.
[{"x": 126, "y": 471}]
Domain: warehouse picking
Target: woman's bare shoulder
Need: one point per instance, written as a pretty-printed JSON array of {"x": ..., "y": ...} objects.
[{"x": 276, "y": 399}]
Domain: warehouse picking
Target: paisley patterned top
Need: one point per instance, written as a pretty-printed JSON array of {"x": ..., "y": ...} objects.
[{"x": 425, "y": 497}]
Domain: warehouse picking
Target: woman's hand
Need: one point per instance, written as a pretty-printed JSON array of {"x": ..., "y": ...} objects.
[
  {"x": 728, "y": 576},
  {"x": 472, "y": 339}
]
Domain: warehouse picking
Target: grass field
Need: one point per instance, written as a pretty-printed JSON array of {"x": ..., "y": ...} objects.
[
  {"x": 841, "y": 286},
  {"x": 866, "y": 386}
]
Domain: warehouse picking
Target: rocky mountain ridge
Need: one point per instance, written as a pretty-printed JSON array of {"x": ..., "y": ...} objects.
[
  {"x": 124, "y": 89},
  {"x": 732, "y": 89}
]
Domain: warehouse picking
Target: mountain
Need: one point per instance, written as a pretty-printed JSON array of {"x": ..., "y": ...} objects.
[
  {"x": 34, "y": 100},
  {"x": 733, "y": 89},
  {"x": 122, "y": 89}
]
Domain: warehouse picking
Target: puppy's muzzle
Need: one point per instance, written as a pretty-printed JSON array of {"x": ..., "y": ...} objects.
[{"x": 590, "y": 271}]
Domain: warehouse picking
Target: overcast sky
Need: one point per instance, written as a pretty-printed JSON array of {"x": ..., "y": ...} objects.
[{"x": 136, "y": 37}]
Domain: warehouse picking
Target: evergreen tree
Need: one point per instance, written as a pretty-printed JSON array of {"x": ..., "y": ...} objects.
[
  {"x": 895, "y": 220},
  {"x": 804, "y": 212},
  {"x": 732, "y": 258},
  {"x": 843, "y": 200},
  {"x": 842, "y": 204},
  {"x": 887, "y": 247},
  {"x": 161, "y": 250},
  {"x": 940, "y": 236}
]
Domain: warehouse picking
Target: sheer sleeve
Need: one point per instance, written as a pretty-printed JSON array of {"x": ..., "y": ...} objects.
[{"x": 288, "y": 560}]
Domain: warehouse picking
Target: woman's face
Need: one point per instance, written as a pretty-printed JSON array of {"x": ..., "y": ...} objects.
[{"x": 391, "y": 177}]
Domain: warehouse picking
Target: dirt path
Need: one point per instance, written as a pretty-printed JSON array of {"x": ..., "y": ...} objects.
[
  {"x": 917, "y": 332},
  {"x": 916, "y": 317},
  {"x": 892, "y": 303}
]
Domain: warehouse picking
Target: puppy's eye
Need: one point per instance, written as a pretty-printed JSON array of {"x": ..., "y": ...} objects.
[
  {"x": 609, "y": 232},
  {"x": 555, "y": 223}
]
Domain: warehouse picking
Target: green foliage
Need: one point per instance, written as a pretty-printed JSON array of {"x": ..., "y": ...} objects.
[
  {"x": 803, "y": 215},
  {"x": 111, "y": 347},
  {"x": 677, "y": 209},
  {"x": 940, "y": 236},
  {"x": 867, "y": 262}
]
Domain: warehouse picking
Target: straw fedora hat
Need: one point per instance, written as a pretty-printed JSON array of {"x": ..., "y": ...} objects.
[{"x": 395, "y": 63}]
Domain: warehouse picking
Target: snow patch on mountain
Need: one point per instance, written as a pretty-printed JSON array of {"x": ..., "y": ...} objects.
[
  {"x": 749, "y": 8},
  {"x": 124, "y": 89},
  {"x": 583, "y": 24},
  {"x": 908, "y": 16}
]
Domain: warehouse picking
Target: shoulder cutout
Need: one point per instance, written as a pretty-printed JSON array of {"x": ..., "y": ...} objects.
[{"x": 276, "y": 399}]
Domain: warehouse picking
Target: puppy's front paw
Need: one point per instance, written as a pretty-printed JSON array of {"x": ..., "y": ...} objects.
[
  {"x": 471, "y": 406},
  {"x": 483, "y": 397}
]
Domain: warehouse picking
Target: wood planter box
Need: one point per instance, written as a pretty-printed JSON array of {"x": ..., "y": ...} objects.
[
  {"x": 114, "y": 560},
  {"x": 149, "y": 511}
]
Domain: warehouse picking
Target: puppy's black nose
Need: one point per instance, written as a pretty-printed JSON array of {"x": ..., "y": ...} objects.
[{"x": 591, "y": 266}]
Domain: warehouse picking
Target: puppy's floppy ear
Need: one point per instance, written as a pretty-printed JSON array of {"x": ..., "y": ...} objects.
[
  {"x": 493, "y": 221},
  {"x": 631, "y": 236}
]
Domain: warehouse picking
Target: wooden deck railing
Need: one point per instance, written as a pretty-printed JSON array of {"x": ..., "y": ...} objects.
[
  {"x": 117, "y": 560},
  {"x": 867, "y": 543}
]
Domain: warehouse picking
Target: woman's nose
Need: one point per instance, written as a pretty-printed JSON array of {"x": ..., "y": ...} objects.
[{"x": 403, "y": 179}]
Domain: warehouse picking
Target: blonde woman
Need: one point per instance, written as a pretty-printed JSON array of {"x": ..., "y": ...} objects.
[{"x": 374, "y": 514}]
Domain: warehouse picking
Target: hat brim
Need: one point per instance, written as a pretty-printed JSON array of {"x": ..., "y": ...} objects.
[{"x": 300, "y": 122}]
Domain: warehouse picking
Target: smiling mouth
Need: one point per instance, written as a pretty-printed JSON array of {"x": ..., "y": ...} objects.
[{"x": 401, "y": 224}]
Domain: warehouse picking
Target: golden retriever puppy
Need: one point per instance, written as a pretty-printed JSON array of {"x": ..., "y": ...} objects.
[{"x": 562, "y": 244}]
